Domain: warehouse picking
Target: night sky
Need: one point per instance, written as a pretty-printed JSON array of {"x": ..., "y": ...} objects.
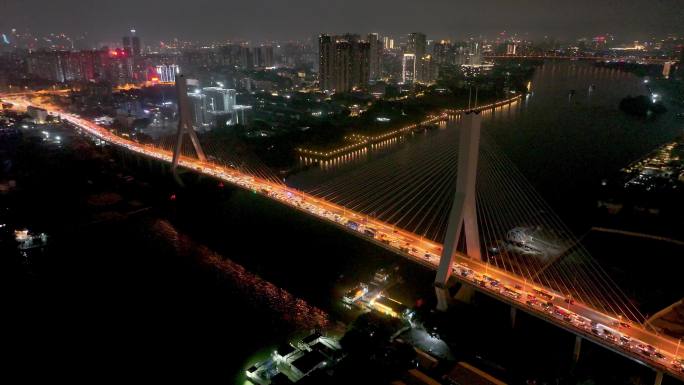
[{"x": 293, "y": 19}]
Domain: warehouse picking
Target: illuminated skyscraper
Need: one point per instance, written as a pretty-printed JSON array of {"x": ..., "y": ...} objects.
[
  {"x": 388, "y": 42},
  {"x": 416, "y": 45},
  {"x": 408, "y": 68},
  {"x": 511, "y": 49},
  {"x": 132, "y": 56},
  {"x": 167, "y": 72}
]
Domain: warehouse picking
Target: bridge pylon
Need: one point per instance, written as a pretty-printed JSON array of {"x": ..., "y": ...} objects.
[
  {"x": 185, "y": 121},
  {"x": 463, "y": 215}
]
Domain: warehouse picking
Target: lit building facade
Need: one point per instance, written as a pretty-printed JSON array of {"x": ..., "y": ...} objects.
[
  {"x": 114, "y": 66},
  {"x": 388, "y": 43},
  {"x": 442, "y": 52},
  {"x": 213, "y": 105},
  {"x": 417, "y": 46},
  {"x": 511, "y": 49},
  {"x": 200, "y": 116},
  {"x": 408, "y": 68},
  {"x": 344, "y": 63},
  {"x": 375, "y": 56},
  {"x": 167, "y": 72}
]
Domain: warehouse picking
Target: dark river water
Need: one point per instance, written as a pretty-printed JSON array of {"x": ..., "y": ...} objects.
[
  {"x": 181, "y": 294},
  {"x": 564, "y": 146}
]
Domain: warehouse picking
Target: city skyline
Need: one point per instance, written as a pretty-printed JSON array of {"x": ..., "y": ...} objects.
[
  {"x": 389, "y": 192},
  {"x": 269, "y": 20}
]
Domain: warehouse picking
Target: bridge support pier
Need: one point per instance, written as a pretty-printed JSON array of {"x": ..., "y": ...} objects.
[
  {"x": 463, "y": 215},
  {"x": 576, "y": 351},
  {"x": 514, "y": 313},
  {"x": 659, "y": 377},
  {"x": 465, "y": 294},
  {"x": 443, "y": 296}
]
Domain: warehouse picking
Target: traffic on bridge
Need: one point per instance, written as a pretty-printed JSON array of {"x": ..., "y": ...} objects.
[{"x": 623, "y": 336}]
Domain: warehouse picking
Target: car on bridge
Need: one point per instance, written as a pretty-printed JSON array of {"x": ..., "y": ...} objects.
[
  {"x": 370, "y": 232},
  {"x": 352, "y": 225},
  {"x": 491, "y": 281},
  {"x": 544, "y": 294},
  {"x": 621, "y": 324},
  {"x": 507, "y": 291}
]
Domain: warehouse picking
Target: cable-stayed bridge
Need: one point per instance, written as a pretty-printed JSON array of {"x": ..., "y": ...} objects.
[{"x": 455, "y": 205}]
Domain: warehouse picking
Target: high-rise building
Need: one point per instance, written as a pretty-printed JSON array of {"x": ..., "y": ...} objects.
[
  {"x": 126, "y": 40},
  {"x": 200, "y": 116},
  {"x": 325, "y": 62},
  {"x": 341, "y": 68},
  {"x": 375, "y": 56},
  {"x": 360, "y": 65},
  {"x": 136, "y": 46},
  {"x": 219, "y": 102},
  {"x": 475, "y": 54},
  {"x": 344, "y": 62},
  {"x": 133, "y": 55},
  {"x": 131, "y": 44},
  {"x": 408, "y": 68},
  {"x": 263, "y": 56},
  {"x": 46, "y": 65},
  {"x": 388, "y": 43},
  {"x": 167, "y": 72},
  {"x": 442, "y": 53},
  {"x": 117, "y": 66},
  {"x": 511, "y": 49},
  {"x": 430, "y": 68},
  {"x": 245, "y": 57},
  {"x": 242, "y": 56},
  {"x": 416, "y": 45},
  {"x": 80, "y": 66}
]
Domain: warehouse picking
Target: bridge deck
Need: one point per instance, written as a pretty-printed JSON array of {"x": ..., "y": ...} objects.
[{"x": 643, "y": 345}]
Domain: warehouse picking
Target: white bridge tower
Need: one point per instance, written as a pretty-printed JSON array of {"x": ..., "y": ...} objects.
[
  {"x": 185, "y": 121},
  {"x": 463, "y": 215}
]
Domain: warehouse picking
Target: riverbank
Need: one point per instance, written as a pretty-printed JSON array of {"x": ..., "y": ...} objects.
[{"x": 359, "y": 141}]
